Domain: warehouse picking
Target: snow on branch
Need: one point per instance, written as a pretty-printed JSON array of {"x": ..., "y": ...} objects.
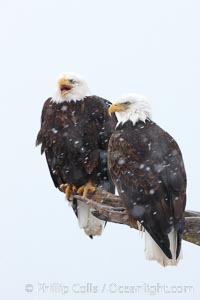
[{"x": 109, "y": 207}]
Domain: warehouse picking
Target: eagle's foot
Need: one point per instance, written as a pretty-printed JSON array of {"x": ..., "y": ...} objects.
[
  {"x": 68, "y": 188},
  {"x": 84, "y": 189}
]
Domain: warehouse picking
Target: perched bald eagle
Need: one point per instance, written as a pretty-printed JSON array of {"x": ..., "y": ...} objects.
[
  {"x": 74, "y": 135},
  {"x": 147, "y": 168}
]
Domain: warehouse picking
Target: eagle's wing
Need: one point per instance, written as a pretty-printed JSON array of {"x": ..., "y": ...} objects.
[
  {"x": 149, "y": 172},
  {"x": 105, "y": 125},
  {"x": 39, "y": 139},
  {"x": 46, "y": 142}
]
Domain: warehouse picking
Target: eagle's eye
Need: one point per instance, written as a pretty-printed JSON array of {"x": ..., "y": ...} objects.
[
  {"x": 72, "y": 81},
  {"x": 127, "y": 103}
]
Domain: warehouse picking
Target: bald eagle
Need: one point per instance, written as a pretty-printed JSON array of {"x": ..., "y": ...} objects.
[
  {"x": 147, "y": 168},
  {"x": 74, "y": 134}
]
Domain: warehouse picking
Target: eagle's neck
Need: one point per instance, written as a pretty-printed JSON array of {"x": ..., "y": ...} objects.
[
  {"x": 133, "y": 117},
  {"x": 138, "y": 125}
]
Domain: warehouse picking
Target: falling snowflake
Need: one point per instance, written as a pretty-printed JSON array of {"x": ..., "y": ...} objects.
[
  {"x": 151, "y": 192},
  {"x": 138, "y": 211},
  {"x": 64, "y": 108},
  {"x": 54, "y": 130},
  {"x": 121, "y": 161}
]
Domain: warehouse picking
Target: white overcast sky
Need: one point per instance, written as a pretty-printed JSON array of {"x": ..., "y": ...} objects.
[{"x": 119, "y": 46}]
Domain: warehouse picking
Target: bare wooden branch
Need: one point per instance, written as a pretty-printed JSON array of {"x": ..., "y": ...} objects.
[{"x": 109, "y": 207}]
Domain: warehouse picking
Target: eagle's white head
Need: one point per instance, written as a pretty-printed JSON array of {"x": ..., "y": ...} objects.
[
  {"x": 70, "y": 86},
  {"x": 133, "y": 107}
]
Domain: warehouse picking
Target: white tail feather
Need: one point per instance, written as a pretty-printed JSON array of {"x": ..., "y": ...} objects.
[
  {"x": 90, "y": 224},
  {"x": 154, "y": 252}
]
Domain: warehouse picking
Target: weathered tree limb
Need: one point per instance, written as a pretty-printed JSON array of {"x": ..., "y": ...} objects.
[{"x": 110, "y": 208}]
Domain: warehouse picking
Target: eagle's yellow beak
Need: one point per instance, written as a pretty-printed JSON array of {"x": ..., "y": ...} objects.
[
  {"x": 64, "y": 85},
  {"x": 115, "y": 107}
]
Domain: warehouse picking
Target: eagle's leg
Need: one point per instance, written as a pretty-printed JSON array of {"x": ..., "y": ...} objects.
[
  {"x": 67, "y": 188},
  {"x": 84, "y": 189}
]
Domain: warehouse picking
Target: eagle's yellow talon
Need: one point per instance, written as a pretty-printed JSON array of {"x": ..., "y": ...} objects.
[
  {"x": 74, "y": 188},
  {"x": 63, "y": 187},
  {"x": 80, "y": 190},
  {"x": 67, "y": 191},
  {"x": 67, "y": 188},
  {"x": 84, "y": 189}
]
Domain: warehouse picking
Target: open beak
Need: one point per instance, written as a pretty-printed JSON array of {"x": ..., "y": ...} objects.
[
  {"x": 115, "y": 107},
  {"x": 65, "y": 86}
]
